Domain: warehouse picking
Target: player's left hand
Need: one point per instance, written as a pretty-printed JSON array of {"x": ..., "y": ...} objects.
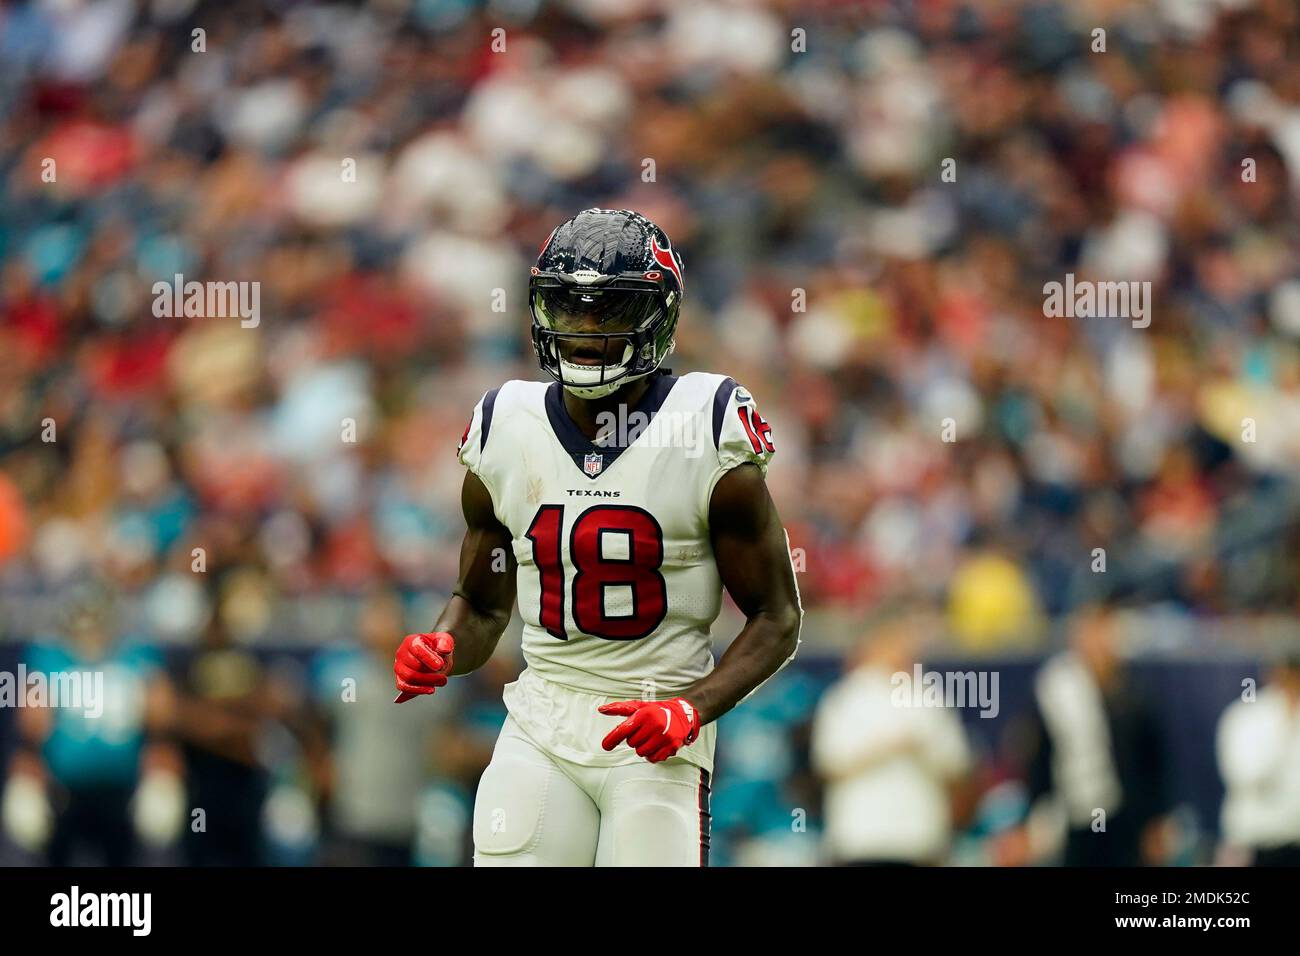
[{"x": 656, "y": 729}]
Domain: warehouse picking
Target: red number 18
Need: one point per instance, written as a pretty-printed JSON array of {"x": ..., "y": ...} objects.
[{"x": 595, "y": 571}]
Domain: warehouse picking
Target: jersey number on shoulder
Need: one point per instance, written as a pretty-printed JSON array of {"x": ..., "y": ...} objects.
[
  {"x": 757, "y": 430},
  {"x": 596, "y": 570}
]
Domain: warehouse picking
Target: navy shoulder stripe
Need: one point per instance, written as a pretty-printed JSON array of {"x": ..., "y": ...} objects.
[
  {"x": 721, "y": 398},
  {"x": 489, "y": 401}
]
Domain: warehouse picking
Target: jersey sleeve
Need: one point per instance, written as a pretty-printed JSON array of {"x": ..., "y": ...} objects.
[{"x": 739, "y": 431}]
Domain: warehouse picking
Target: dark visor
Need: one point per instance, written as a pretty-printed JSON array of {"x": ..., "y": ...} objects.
[{"x": 589, "y": 310}]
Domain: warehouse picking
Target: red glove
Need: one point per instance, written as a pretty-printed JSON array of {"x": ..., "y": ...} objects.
[
  {"x": 656, "y": 729},
  {"x": 422, "y": 664}
]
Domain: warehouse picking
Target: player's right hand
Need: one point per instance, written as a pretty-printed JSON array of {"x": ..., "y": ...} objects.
[{"x": 422, "y": 664}]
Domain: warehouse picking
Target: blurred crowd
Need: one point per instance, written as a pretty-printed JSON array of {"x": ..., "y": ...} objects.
[{"x": 869, "y": 198}]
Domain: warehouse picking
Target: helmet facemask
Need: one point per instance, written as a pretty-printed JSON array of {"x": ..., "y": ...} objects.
[{"x": 593, "y": 341}]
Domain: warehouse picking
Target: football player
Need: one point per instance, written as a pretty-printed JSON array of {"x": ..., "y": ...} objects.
[{"x": 623, "y": 499}]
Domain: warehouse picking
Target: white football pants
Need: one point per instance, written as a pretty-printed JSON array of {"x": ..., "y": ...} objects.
[{"x": 536, "y": 809}]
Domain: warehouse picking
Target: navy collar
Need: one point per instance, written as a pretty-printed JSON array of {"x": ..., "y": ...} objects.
[{"x": 591, "y": 459}]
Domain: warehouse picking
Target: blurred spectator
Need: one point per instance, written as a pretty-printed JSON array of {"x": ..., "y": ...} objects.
[
  {"x": 1098, "y": 751},
  {"x": 891, "y": 768},
  {"x": 992, "y": 604},
  {"x": 1259, "y": 759},
  {"x": 220, "y": 716},
  {"x": 381, "y": 755},
  {"x": 91, "y": 747}
]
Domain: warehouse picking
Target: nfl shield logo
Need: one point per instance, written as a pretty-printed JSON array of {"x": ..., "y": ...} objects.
[{"x": 592, "y": 463}]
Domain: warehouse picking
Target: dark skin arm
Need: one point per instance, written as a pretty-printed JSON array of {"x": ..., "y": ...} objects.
[
  {"x": 750, "y": 548},
  {"x": 480, "y": 605}
]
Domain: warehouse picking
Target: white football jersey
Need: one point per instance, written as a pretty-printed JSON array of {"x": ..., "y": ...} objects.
[{"x": 617, "y": 584}]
